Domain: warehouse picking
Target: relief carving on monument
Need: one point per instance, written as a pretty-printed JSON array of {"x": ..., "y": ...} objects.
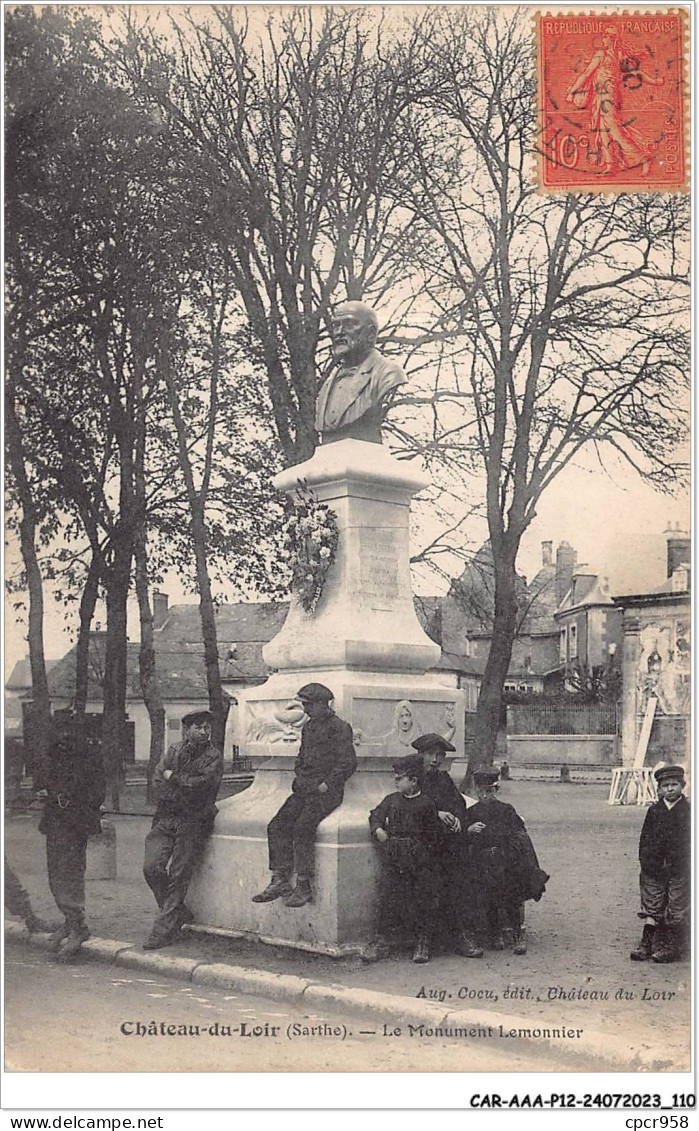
[{"x": 275, "y": 722}]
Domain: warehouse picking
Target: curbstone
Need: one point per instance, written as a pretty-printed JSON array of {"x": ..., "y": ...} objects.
[
  {"x": 17, "y": 932},
  {"x": 391, "y": 1007},
  {"x": 284, "y": 987},
  {"x": 168, "y": 965},
  {"x": 104, "y": 950},
  {"x": 593, "y": 1051}
]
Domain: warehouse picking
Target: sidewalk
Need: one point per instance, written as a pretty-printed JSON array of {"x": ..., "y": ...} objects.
[{"x": 577, "y": 964}]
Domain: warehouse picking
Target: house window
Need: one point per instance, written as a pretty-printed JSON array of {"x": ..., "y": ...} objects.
[
  {"x": 174, "y": 724},
  {"x": 563, "y": 648},
  {"x": 573, "y": 641}
]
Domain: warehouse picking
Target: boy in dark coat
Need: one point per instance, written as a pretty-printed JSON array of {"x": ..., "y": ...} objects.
[
  {"x": 664, "y": 854},
  {"x": 456, "y": 917},
  {"x": 72, "y": 783},
  {"x": 186, "y": 781},
  {"x": 326, "y": 760},
  {"x": 505, "y": 863},
  {"x": 407, "y": 827}
]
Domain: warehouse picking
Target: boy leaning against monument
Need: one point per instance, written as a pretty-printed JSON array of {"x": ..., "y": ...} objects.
[
  {"x": 664, "y": 855},
  {"x": 407, "y": 827}
]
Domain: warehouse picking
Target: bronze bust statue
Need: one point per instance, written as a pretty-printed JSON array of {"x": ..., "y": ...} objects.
[{"x": 351, "y": 402}]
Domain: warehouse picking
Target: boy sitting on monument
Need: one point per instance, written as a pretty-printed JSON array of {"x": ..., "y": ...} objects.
[
  {"x": 326, "y": 760},
  {"x": 664, "y": 854},
  {"x": 407, "y": 827},
  {"x": 505, "y": 864}
]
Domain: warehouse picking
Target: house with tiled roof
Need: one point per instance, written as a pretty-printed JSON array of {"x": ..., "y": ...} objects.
[{"x": 467, "y": 616}]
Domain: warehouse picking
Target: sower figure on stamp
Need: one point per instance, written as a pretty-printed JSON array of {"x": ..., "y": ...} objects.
[
  {"x": 457, "y": 913},
  {"x": 326, "y": 760},
  {"x": 664, "y": 854},
  {"x": 407, "y": 827},
  {"x": 506, "y": 869},
  {"x": 72, "y": 783},
  {"x": 186, "y": 781},
  {"x": 352, "y": 401}
]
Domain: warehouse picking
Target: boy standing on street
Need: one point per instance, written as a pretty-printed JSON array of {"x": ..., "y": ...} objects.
[
  {"x": 407, "y": 827},
  {"x": 664, "y": 854},
  {"x": 72, "y": 783},
  {"x": 505, "y": 863}
]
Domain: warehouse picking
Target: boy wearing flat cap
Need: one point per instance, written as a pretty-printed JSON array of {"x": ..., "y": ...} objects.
[
  {"x": 186, "y": 781},
  {"x": 456, "y": 922},
  {"x": 407, "y": 827},
  {"x": 326, "y": 760},
  {"x": 664, "y": 855},
  {"x": 505, "y": 863}
]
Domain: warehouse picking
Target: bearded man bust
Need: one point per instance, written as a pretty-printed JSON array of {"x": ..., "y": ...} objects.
[{"x": 352, "y": 401}]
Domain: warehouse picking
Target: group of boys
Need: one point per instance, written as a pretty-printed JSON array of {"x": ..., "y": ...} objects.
[{"x": 453, "y": 875}]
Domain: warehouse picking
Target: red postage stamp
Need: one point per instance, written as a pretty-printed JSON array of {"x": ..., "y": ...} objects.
[{"x": 613, "y": 101}]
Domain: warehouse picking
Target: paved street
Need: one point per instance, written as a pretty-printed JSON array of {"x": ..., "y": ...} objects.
[
  {"x": 580, "y": 933},
  {"x": 85, "y": 1017}
]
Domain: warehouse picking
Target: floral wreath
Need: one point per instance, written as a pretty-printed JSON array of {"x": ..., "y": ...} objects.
[{"x": 311, "y": 537}]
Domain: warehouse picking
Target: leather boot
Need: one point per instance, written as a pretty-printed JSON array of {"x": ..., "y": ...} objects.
[
  {"x": 78, "y": 934},
  {"x": 520, "y": 941},
  {"x": 35, "y": 925},
  {"x": 302, "y": 893},
  {"x": 56, "y": 937},
  {"x": 375, "y": 951},
  {"x": 277, "y": 887},
  {"x": 665, "y": 947},
  {"x": 422, "y": 950},
  {"x": 468, "y": 947},
  {"x": 185, "y": 915},
  {"x": 644, "y": 950}
]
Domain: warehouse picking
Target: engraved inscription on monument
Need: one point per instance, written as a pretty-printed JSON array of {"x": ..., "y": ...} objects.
[{"x": 378, "y": 557}]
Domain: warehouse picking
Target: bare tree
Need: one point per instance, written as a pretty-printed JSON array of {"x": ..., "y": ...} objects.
[
  {"x": 294, "y": 127},
  {"x": 571, "y": 310}
]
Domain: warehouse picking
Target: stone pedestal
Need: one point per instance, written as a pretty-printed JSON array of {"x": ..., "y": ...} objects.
[{"x": 363, "y": 641}]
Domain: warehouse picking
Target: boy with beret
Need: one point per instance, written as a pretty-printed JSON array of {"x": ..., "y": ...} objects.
[
  {"x": 456, "y": 897},
  {"x": 664, "y": 855},
  {"x": 505, "y": 863},
  {"x": 407, "y": 827},
  {"x": 326, "y": 760},
  {"x": 186, "y": 781}
]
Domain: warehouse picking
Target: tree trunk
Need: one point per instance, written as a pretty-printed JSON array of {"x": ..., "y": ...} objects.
[
  {"x": 115, "y": 665},
  {"x": 489, "y": 708},
  {"x": 38, "y": 736},
  {"x": 218, "y": 702},
  {"x": 146, "y": 658},
  {"x": 88, "y": 602}
]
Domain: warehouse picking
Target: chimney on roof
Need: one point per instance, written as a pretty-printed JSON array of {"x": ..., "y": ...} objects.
[
  {"x": 565, "y": 564},
  {"x": 679, "y": 548},
  {"x": 160, "y": 607},
  {"x": 547, "y": 553}
]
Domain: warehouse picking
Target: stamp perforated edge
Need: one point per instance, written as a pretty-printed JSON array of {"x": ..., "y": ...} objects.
[{"x": 599, "y": 189}]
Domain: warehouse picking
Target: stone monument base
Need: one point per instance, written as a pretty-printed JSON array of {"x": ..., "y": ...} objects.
[
  {"x": 341, "y": 919},
  {"x": 364, "y": 641}
]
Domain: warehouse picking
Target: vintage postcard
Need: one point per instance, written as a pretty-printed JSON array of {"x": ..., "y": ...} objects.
[{"x": 348, "y": 568}]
